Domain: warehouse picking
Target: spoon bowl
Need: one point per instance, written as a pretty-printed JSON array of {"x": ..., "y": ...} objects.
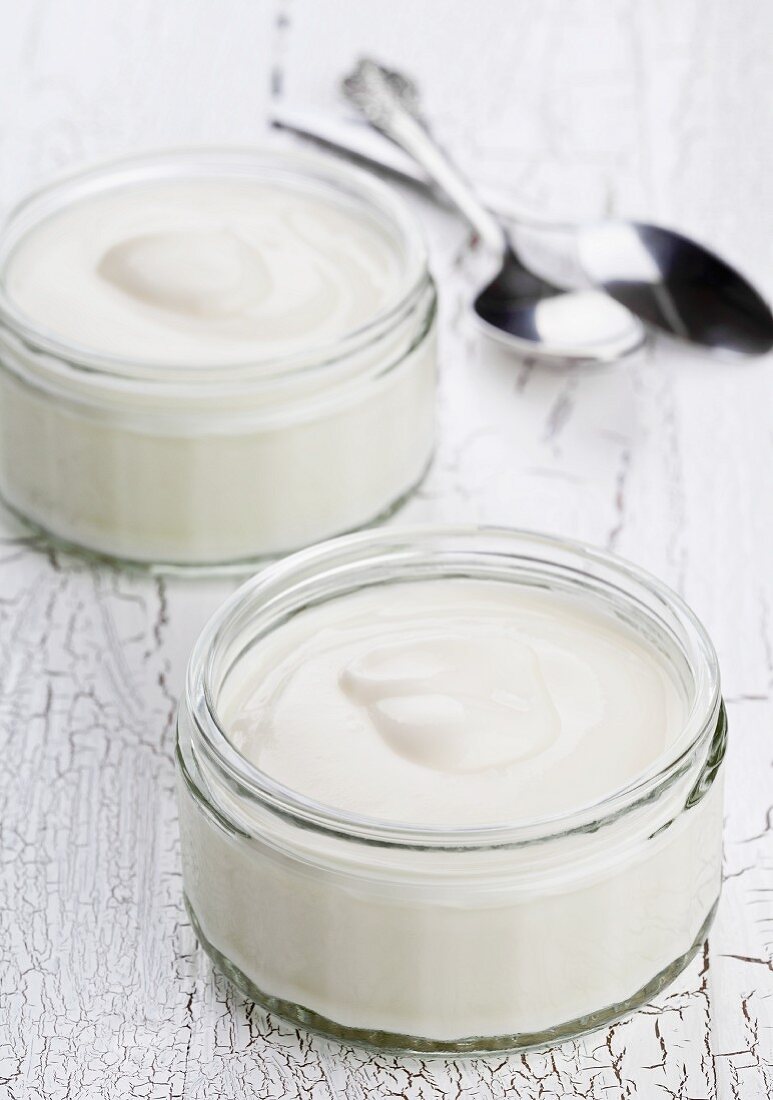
[
  {"x": 531, "y": 316},
  {"x": 677, "y": 285}
]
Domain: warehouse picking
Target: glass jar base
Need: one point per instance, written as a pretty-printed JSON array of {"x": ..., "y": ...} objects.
[
  {"x": 382, "y": 1041},
  {"x": 244, "y": 566}
]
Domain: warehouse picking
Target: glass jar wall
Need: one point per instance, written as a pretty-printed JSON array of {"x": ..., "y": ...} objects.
[
  {"x": 210, "y": 460},
  {"x": 461, "y": 938}
]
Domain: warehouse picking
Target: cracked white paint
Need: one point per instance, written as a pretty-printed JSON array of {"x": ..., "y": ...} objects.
[{"x": 639, "y": 106}]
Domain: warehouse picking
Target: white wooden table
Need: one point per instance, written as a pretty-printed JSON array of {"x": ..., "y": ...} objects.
[{"x": 633, "y": 106}]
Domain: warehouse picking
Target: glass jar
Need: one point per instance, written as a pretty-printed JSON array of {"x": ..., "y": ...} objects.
[
  {"x": 470, "y": 939},
  {"x": 176, "y": 463}
]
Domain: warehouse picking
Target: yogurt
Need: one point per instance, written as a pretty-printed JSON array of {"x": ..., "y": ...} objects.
[
  {"x": 454, "y": 703},
  {"x": 204, "y": 272},
  {"x": 451, "y": 791},
  {"x": 210, "y": 357}
]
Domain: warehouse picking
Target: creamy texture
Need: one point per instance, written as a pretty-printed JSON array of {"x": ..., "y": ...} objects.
[
  {"x": 217, "y": 482},
  {"x": 201, "y": 444},
  {"x": 454, "y": 702},
  {"x": 530, "y": 944},
  {"x": 204, "y": 271}
]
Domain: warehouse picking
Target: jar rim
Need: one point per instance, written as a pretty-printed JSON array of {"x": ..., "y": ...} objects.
[
  {"x": 601, "y": 572},
  {"x": 191, "y": 162}
]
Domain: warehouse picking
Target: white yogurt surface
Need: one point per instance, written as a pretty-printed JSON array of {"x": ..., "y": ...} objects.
[
  {"x": 454, "y": 702},
  {"x": 204, "y": 271},
  {"x": 199, "y": 444}
]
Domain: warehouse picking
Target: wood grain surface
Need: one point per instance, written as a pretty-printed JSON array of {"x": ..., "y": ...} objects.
[{"x": 637, "y": 107}]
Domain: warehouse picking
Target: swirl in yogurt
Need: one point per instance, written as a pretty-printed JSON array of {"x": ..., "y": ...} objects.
[
  {"x": 204, "y": 272},
  {"x": 454, "y": 702}
]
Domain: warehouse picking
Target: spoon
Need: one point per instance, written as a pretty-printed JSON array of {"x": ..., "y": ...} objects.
[
  {"x": 677, "y": 285},
  {"x": 518, "y": 308},
  {"x": 661, "y": 276}
]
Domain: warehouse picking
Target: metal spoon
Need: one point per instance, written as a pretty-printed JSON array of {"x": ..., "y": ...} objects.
[
  {"x": 661, "y": 276},
  {"x": 519, "y": 308},
  {"x": 676, "y": 285}
]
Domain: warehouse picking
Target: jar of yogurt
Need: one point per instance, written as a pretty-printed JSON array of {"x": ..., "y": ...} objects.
[
  {"x": 452, "y": 790},
  {"x": 213, "y": 356}
]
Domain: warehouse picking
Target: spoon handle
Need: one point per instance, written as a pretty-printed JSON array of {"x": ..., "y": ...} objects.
[{"x": 388, "y": 101}]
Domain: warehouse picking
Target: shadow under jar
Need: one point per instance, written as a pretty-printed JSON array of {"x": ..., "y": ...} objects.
[
  {"x": 212, "y": 356},
  {"x": 386, "y": 844}
]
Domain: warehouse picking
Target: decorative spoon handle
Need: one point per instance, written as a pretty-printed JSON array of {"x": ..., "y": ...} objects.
[{"x": 389, "y": 101}]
